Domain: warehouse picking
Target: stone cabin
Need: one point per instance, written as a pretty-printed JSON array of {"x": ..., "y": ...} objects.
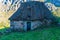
[{"x": 29, "y": 16}]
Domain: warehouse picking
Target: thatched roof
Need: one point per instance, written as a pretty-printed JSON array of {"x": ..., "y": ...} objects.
[{"x": 32, "y": 10}]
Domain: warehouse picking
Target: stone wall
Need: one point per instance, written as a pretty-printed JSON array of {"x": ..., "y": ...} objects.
[
  {"x": 35, "y": 24},
  {"x": 17, "y": 24},
  {"x": 11, "y": 24},
  {"x": 22, "y": 25}
]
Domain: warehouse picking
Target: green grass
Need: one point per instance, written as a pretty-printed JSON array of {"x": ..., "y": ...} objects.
[{"x": 52, "y": 33}]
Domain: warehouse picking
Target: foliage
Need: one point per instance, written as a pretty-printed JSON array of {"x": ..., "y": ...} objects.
[
  {"x": 57, "y": 14},
  {"x": 4, "y": 24}
]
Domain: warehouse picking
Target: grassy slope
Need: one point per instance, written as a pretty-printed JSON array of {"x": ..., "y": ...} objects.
[{"x": 43, "y": 34}]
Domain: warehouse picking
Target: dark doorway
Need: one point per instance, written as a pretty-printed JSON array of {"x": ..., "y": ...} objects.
[{"x": 28, "y": 26}]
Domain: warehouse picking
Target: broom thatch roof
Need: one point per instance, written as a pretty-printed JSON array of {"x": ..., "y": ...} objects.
[{"x": 32, "y": 10}]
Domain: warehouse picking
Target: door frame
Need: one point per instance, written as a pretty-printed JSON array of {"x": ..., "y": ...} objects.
[{"x": 28, "y": 25}]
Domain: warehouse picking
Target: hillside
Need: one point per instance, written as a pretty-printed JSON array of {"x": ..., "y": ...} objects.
[{"x": 52, "y": 33}]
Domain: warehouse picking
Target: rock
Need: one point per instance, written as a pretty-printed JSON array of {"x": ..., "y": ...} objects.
[
  {"x": 12, "y": 29},
  {"x": 47, "y": 22}
]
